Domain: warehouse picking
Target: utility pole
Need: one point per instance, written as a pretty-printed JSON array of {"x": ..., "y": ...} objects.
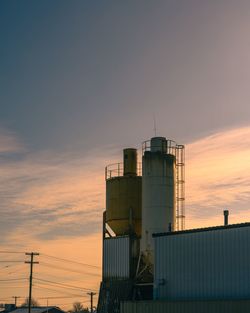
[
  {"x": 91, "y": 294},
  {"x": 31, "y": 262},
  {"x": 16, "y": 297}
]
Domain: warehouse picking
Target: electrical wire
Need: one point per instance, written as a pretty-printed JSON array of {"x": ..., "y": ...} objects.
[
  {"x": 10, "y": 298},
  {"x": 9, "y": 265},
  {"x": 14, "y": 261},
  {"x": 59, "y": 297},
  {"x": 67, "y": 269},
  {"x": 39, "y": 283},
  {"x": 63, "y": 285},
  {"x": 58, "y": 291},
  {"x": 16, "y": 271},
  {"x": 12, "y": 252},
  {"x": 12, "y": 272},
  {"x": 60, "y": 278},
  {"x": 69, "y": 261},
  {"x": 22, "y": 286},
  {"x": 71, "y": 303},
  {"x": 13, "y": 279},
  {"x": 53, "y": 285}
]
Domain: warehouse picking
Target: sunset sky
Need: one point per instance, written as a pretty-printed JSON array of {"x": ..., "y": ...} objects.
[{"x": 80, "y": 81}]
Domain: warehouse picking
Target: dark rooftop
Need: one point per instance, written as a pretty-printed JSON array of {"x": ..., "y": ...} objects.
[{"x": 198, "y": 230}]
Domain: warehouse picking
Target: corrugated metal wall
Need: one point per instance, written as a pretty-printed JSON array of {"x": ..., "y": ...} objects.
[
  {"x": 237, "y": 306},
  {"x": 212, "y": 264},
  {"x": 116, "y": 258}
]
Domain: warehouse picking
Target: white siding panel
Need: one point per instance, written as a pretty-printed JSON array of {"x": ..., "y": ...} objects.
[
  {"x": 212, "y": 264},
  {"x": 116, "y": 258}
]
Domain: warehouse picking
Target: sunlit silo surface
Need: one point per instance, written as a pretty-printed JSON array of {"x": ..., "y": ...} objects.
[{"x": 159, "y": 190}]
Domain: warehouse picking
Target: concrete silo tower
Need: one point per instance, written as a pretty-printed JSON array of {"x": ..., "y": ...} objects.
[{"x": 162, "y": 190}]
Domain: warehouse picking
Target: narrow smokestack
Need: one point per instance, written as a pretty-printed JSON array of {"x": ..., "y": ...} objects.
[
  {"x": 226, "y": 213},
  {"x": 130, "y": 162},
  {"x": 170, "y": 227}
]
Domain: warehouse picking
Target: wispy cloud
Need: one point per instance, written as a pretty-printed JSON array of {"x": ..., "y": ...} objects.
[
  {"x": 47, "y": 195},
  {"x": 217, "y": 177}
]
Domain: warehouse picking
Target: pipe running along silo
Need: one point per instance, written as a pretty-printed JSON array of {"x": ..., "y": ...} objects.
[{"x": 158, "y": 191}]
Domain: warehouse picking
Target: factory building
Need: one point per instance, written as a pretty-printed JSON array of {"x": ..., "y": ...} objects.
[{"x": 150, "y": 263}]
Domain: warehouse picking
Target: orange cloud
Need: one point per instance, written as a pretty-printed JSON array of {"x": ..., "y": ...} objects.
[{"x": 217, "y": 177}]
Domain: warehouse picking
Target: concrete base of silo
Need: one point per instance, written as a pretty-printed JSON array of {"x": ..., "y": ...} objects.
[{"x": 112, "y": 293}]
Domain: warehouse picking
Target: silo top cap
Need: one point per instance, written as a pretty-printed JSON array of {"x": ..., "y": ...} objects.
[
  {"x": 130, "y": 149},
  {"x": 158, "y": 144}
]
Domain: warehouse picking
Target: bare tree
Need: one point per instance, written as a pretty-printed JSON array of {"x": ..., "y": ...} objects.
[
  {"x": 33, "y": 302},
  {"x": 78, "y": 308}
]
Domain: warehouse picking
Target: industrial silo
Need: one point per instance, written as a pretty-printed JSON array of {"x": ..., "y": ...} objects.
[
  {"x": 138, "y": 204},
  {"x": 123, "y": 195},
  {"x": 160, "y": 190},
  {"x": 122, "y": 218},
  {"x": 121, "y": 231}
]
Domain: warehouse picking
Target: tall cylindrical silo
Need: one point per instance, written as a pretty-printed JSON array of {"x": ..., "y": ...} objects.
[
  {"x": 158, "y": 191},
  {"x": 123, "y": 195}
]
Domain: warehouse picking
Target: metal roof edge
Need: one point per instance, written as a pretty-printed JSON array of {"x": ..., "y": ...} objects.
[{"x": 198, "y": 230}]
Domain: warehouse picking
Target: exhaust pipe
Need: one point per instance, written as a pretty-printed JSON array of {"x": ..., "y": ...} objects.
[{"x": 226, "y": 213}]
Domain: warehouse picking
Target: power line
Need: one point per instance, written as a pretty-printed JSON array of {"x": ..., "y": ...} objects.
[
  {"x": 61, "y": 279},
  {"x": 19, "y": 270},
  {"x": 12, "y": 272},
  {"x": 12, "y": 252},
  {"x": 67, "y": 269},
  {"x": 70, "y": 261},
  {"x": 41, "y": 284},
  {"x": 10, "y": 265},
  {"x": 6, "y": 299},
  {"x": 13, "y": 279},
  {"x": 68, "y": 303},
  {"x": 17, "y": 287},
  {"x": 14, "y": 261},
  {"x": 60, "y": 297},
  {"x": 62, "y": 284},
  {"x": 58, "y": 291},
  {"x": 16, "y": 281},
  {"x": 55, "y": 303},
  {"x": 48, "y": 275}
]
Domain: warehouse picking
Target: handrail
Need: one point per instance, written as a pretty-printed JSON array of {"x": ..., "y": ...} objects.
[
  {"x": 170, "y": 146},
  {"x": 116, "y": 170}
]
